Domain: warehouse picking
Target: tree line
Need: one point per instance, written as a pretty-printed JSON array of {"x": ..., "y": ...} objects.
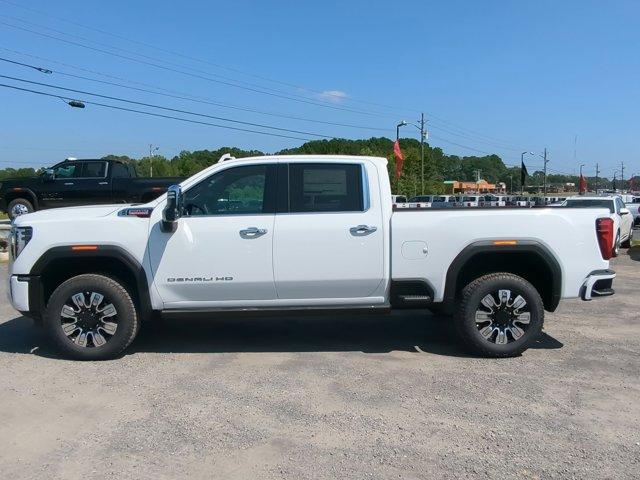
[{"x": 438, "y": 166}]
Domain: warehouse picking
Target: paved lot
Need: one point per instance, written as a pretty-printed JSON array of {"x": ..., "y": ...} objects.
[{"x": 352, "y": 397}]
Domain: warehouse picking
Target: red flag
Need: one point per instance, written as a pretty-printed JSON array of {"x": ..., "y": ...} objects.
[
  {"x": 583, "y": 185},
  {"x": 399, "y": 158}
]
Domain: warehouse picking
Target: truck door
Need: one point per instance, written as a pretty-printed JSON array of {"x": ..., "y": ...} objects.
[
  {"x": 329, "y": 241},
  {"x": 92, "y": 186},
  {"x": 221, "y": 252},
  {"x": 56, "y": 192}
]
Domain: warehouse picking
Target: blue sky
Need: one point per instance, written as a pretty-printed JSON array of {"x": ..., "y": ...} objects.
[{"x": 491, "y": 76}]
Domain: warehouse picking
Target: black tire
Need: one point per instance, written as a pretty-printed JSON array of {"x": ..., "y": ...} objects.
[
  {"x": 471, "y": 303},
  {"x": 19, "y": 204},
  {"x": 125, "y": 318},
  {"x": 627, "y": 242}
]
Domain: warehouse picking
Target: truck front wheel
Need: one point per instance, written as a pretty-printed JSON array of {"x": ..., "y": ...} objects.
[
  {"x": 19, "y": 206},
  {"x": 91, "y": 317},
  {"x": 499, "y": 315}
]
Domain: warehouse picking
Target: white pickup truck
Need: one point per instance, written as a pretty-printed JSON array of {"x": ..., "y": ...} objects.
[{"x": 294, "y": 234}]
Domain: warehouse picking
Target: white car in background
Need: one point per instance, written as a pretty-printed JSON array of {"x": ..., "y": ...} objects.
[
  {"x": 634, "y": 207},
  {"x": 620, "y": 214},
  {"x": 471, "y": 200}
]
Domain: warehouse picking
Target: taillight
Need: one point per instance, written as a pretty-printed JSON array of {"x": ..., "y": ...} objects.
[{"x": 604, "y": 231}]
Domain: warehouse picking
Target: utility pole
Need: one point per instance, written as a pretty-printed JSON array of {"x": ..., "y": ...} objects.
[
  {"x": 478, "y": 173},
  {"x": 597, "y": 173},
  {"x": 423, "y": 134},
  {"x": 544, "y": 181},
  {"x": 622, "y": 175},
  {"x": 151, "y": 150}
]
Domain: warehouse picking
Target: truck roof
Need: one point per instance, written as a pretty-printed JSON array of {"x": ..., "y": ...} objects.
[{"x": 304, "y": 158}]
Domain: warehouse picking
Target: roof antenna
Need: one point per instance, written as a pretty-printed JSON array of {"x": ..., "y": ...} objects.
[{"x": 225, "y": 157}]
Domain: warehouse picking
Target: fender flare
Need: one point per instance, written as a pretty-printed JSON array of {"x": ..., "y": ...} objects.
[
  {"x": 487, "y": 246},
  {"x": 12, "y": 194},
  {"x": 102, "y": 251}
]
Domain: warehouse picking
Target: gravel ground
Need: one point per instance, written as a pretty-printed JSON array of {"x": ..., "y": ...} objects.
[{"x": 347, "y": 397}]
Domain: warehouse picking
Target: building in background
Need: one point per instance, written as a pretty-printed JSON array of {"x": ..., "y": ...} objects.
[{"x": 481, "y": 186}]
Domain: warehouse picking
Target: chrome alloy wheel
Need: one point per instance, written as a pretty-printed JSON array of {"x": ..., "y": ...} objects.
[
  {"x": 19, "y": 209},
  {"x": 500, "y": 319},
  {"x": 88, "y": 319}
]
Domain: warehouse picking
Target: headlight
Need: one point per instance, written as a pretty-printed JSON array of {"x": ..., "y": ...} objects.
[{"x": 18, "y": 239}]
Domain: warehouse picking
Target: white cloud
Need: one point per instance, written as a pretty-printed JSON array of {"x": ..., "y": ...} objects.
[{"x": 334, "y": 96}]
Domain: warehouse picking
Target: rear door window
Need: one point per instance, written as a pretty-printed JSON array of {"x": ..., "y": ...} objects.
[
  {"x": 325, "y": 187},
  {"x": 119, "y": 170},
  {"x": 93, "y": 170}
]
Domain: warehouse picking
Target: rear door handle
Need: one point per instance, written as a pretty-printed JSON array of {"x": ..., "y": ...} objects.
[
  {"x": 103, "y": 183},
  {"x": 68, "y": 184},
  {"x": 252, "y": 232},
  {"x": 362, "y": 230}
]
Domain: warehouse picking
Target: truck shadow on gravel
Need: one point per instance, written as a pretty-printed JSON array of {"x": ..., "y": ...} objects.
[
  {"x": 400, "y": 331},
  {"x": 634, "y": 253}
]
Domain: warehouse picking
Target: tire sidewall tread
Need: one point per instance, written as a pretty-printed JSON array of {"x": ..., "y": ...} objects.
[
  {"x": 464, "y": 318},
  {"x": 117, "y": 293}
]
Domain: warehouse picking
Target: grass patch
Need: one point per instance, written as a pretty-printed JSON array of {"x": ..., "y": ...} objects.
[{"x": 3, "y": 216}]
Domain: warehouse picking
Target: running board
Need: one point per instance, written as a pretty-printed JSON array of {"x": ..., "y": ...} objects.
[{"x": 279, "y": 311}]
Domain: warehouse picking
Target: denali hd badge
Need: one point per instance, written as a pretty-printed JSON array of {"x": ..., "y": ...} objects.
[{"x": 198, "y": 279}]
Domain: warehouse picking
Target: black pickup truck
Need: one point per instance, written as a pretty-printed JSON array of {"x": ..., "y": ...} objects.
[{"x": 80, "y": 182}]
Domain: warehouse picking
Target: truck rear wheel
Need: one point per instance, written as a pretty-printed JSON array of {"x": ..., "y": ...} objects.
[
  {"x": 91, "y": 317},
  {"x": 19, "y": 206},
  {"x": 499, "y": 315}
]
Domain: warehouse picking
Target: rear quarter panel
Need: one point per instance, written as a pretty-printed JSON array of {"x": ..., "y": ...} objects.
[{"x": 569, "y": 234}]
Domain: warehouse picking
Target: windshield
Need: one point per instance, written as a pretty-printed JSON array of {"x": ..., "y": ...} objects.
[
  {"x": 595, "y": 203},
  {"x": 470, "y": 199}
]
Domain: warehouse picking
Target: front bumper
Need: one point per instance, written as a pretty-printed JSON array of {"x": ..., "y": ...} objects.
[
  {"x": 598, "y": 284},
  {"x": 19, "y": 293},
  {"x": 24, "y": 295}
]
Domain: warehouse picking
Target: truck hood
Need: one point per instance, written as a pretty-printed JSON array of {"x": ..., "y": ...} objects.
[{"x": 68, "y": 213}]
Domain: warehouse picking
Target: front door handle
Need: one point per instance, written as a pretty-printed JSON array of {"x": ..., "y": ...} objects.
[
  {"x": 103, "y": 183},
  {"x": 68, "y": 184},
  {"x": 252, "y": 232},
  {"x": 362, "y": 230}
]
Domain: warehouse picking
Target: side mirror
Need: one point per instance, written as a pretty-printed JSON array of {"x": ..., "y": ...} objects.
[
  {"x": 48, "y": 175},
  {"x": 173, "y": 210},
  {"x": 625, "y": 211}
]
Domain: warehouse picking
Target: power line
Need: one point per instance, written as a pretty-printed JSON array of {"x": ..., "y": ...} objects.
[
  {"x": 181, "y": 96},
  {"x": 176, "y": 110},
  {"x": 142, "y": 112},
  {"x": 207, "y": 62},
  {"x": 214, "y": 117},
  {"x": 194, "y": 75},
  {"x": 297, "y": 87}
]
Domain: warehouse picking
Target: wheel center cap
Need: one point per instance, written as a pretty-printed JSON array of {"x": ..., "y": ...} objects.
[
  {"x": 502, "y": 317},
  {"x": 87, "y": 319}
]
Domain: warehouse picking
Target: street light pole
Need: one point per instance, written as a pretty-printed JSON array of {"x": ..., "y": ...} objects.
[
  {"x": 597, "y": 173},
  {"x": 401, "y": 124},
  {"x": 544, "y": 187},
  {"x": 151, "y": 150}
]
